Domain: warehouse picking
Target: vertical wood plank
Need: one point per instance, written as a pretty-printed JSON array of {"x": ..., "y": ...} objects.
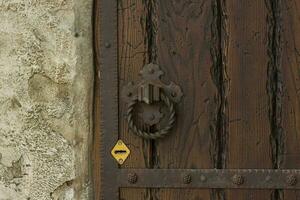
[
  {"x": 248, "y": 109},
  {"x": 96, "y": 160},
  {"x": 185, "y": 48},
  {"x": 290, "y": 78},
  {"x": 132, "y": 39}
]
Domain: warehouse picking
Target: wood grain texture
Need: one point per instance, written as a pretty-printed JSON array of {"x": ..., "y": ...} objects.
[
  {"x": 183, "y": 48},
  {"x": 133, "y": 55},
  {"x": 96, "y": 160},
  {"x": 290, "y": 80},
  {"x": 237, "y": 62},
  {"x": 248, "y": 97}
]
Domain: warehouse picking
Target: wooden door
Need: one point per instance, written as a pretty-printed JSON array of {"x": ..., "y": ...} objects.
[{"x": 236, "y": 134}]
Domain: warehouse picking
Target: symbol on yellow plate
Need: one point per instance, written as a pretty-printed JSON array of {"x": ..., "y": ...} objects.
[{"x": 120, "y": 152}]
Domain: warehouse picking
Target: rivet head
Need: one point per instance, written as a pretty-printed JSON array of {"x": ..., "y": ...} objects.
[
  {"x": 132, "y": 178},
  {"x": 238, "y": 179},
  {"x": 187, "y": 178},
  {"x": 107, "y": 45},
  {"x": 268, "y": 178},
  {"x": 291, "y": 180},
  {"x": 202, "y": 178}
]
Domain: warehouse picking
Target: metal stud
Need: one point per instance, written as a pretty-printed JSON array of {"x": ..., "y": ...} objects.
[
  {"x": 268, "y": 178},
  {"x": 291, "y": 180},
  {"x": 238, "y": 179},
  {"x": 187, "y": 178},
  {"x": 107, "y": 45},
  {"x": 203, "y": 178},
  {"x": 132, "y": 178}
]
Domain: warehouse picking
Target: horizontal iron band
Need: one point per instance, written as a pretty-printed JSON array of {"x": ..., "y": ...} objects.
[{"x": 210, "y": 178}]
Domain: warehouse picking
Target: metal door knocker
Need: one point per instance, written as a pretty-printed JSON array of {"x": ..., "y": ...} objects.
[{"x": 151, "y": 90}]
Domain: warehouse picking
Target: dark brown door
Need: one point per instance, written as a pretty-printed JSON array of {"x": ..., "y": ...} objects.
[{"x": 237, "y": 63}]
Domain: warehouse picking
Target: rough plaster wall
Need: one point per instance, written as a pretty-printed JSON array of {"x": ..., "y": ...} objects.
[{"x": 46, "y": 77}]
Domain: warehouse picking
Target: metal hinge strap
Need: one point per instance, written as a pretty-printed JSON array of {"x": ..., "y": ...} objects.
[{"x": 210, "y": 178}]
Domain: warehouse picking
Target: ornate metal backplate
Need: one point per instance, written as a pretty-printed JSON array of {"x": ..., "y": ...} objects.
[{"x": 149, "y": 90}]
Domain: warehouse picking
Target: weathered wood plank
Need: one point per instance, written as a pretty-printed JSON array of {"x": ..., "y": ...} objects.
[
  {"x": 132, "y": 15},
  {"x": 185, "y": 48},
  {"x": 200, "y": 45},
  {"x": 290, "y": 80},
  {"x": 249, "y": 129},
  {"x": 96, "y": 159}
]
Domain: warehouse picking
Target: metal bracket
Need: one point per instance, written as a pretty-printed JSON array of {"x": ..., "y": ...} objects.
[
  {"x": 107, "y": 51},
  {"x": 210, "y": 178}
]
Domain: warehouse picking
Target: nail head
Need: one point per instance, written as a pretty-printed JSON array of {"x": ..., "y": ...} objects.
[
  {"x": 292, "y": 180},
  {"x": 238, "y": 179},
  {"x": 187, "y": 178},
  {"x": 132, "y": 178},
  {"x": 107, "y": 45}
]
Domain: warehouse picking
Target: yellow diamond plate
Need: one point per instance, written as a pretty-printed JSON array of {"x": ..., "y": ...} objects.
[{"x": 120, "y": 152}]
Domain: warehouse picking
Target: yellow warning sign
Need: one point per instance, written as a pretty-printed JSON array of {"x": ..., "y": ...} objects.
[{"x": 120, "y": 152}]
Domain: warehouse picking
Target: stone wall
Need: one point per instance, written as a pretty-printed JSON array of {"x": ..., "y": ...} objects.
[{"x": 46, "y": 83}]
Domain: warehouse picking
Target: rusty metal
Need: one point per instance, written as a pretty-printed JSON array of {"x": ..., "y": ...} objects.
[
  {"x": 160, "y": 133},
  {"x": 151, "y": 115},
  {"x": 107, "y": 45},
  {"x": 109, "y": 96},
  {"x": 203, "y": 178},
  {"x": 238, "y": 179},
  {"x": 132, "y": 178},
  {"x": 268, "y": 178},
  {"x": 187, "y": 178},
  {"x": 150, "y": 90},
  {"x": 213, "y": 178},
  {"x": 292, "y": 180}
]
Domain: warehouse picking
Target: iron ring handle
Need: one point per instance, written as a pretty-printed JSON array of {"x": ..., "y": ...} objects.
[{"x": 159, "y": 133}]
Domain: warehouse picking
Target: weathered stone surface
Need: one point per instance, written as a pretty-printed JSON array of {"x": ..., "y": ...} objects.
[{"x": 46, "y": 80}]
